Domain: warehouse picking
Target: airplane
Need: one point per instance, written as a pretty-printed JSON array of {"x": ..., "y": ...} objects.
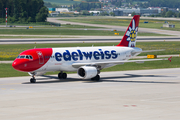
[{"x": 87, "y": 61}]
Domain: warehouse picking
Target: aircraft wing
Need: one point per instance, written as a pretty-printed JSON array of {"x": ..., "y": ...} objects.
[{"x": 102, "y": 64}]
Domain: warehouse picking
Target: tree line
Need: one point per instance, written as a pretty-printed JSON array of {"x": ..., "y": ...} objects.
[{"x": 24, "y": 10}]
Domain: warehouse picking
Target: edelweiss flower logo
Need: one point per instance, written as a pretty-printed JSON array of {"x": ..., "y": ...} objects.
[
  {"x": 132, "y": 33},
  {"x": 39, "y": 53}
]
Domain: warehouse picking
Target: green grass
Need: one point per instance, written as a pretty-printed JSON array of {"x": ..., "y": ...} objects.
[
  {"x": 10, "y": 52},
  {"x": 125, "y": 22},
  {"x": 67, "y": 32},
  {"x": 6, "y": 70},
  {"x": 169, "y": 48}
]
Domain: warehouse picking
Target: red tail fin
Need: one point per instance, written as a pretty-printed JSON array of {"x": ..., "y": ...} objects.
[{"x": 129, "y": 38}]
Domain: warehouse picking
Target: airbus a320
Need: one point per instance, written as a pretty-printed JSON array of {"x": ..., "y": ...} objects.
[{"x": 87, "y": 61}]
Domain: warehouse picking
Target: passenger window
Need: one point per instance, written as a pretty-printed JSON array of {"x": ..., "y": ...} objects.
[{"x": 18, "y": 56}]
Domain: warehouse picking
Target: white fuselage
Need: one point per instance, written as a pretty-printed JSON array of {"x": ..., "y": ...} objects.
[{"x": 63, "y": 58}]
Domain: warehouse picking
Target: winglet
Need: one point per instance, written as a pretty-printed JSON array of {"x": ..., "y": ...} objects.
[{"x": 170, "y": 58}]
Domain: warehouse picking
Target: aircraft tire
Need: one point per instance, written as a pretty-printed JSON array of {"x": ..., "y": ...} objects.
[
  {"x": 33, "y": 80},
  {"x": 64, "y": 76},
  {"x": 59, "y": 75},
  {"x": 96, "y": 78}
]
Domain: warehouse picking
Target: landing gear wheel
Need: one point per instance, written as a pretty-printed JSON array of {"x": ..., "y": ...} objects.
[
  {"x": 96, "y": 78},
  {"x": 33, "y": 80},
  {"x": 64, "y": 76},
  {"x": 60, "y": 75}
]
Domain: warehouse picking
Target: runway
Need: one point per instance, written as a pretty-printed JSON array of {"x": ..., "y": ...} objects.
[
  {"x": 123, "y": 95},
  {"x": 85, "y": 39}
]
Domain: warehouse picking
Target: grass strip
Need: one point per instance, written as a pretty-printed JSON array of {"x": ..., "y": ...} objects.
[{"x": 158, "y": 24}]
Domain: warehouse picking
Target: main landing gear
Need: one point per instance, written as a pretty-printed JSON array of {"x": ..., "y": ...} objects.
[
  {"x": 96, "y": 78},
  {"x": 62, "y": 75}
]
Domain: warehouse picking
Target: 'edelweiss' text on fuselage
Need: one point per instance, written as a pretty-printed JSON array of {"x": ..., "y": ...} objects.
[{"x": 67, "y": 56}]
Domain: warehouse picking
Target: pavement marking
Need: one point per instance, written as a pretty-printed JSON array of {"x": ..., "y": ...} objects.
[
  {"x": 11, "y": 84},
  {"x": 130, "y": 105},
  {"x": 6, "y": 89}
]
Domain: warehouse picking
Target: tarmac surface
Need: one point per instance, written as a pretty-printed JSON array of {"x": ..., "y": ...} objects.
[
  {"x": 86, "y": 39},
  {"x": 123, "y": 95}
]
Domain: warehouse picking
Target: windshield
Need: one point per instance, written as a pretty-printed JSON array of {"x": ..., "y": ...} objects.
[{"x": 25, "y": 57}]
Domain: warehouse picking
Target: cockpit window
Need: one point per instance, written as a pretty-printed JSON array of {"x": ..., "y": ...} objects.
[
  {"x": 30, "y": 57},
  {"x": 25, "y": 57}
]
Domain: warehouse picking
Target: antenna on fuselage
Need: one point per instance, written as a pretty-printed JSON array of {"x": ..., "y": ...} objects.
[{"x": 34, "y": 47}]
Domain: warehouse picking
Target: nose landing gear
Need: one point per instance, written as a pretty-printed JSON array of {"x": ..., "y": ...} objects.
[{"x": 33, "y": 79}]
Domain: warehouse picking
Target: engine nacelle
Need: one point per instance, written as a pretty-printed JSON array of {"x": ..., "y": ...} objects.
[{"x": 87, "y": 72}]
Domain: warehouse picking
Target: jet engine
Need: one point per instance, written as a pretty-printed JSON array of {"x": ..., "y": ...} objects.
[{"x": 87, "y": 72}]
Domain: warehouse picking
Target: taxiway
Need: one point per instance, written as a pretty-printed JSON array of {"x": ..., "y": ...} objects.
[
  {"x": 127, "y": 95},
  {"x": 85, "y": 39}
]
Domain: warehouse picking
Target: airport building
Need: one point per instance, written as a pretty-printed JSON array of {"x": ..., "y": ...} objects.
[
  {"x": 51, "y": 10},
  {"x": 141, "y": 11},
  {"x": 62, "y": 10}
]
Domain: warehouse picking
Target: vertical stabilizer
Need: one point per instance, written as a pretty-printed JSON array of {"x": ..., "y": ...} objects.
[{"x": 129, "y": 38}]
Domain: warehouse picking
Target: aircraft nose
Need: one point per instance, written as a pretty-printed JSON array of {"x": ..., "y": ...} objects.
[{"x": 16, "y": 65}]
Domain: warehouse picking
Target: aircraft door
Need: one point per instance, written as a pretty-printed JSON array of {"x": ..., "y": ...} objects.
[{"x": 41, "y": 58}]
